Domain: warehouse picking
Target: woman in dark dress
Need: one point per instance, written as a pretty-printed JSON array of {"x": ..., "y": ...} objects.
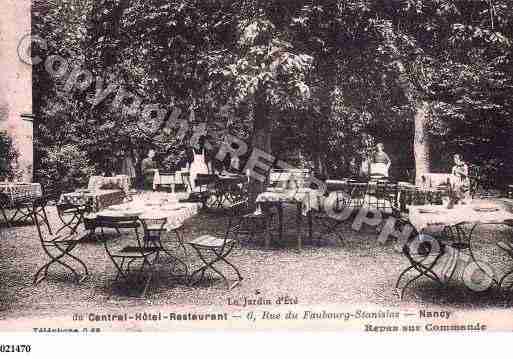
[{"x": 148, "y": 167}]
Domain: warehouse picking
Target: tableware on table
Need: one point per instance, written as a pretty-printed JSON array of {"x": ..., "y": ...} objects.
[
  {"x": 132, "y": 213},
  {"x": 171, "y": 208},
  {"x": 486, "y": 209},
  {"x": 508, "y": 222},
  {"x": 276, "y": 189},
  {"x": 117, "y": 207},
  {"x": 429, "y": 211}
]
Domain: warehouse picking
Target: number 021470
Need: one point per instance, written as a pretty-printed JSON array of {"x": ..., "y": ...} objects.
[{"x": 15, "y": 348}]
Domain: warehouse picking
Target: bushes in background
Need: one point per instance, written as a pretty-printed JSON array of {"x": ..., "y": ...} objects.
[
  {"x": 8, "y": 158},
  {"x": 64, "y": 169}
]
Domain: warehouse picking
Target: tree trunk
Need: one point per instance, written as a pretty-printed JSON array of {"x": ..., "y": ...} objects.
[
  {"x": 320, "y": 167},
  {"x": 421, "y": 143},
  {"x": 261, "y": 139}
]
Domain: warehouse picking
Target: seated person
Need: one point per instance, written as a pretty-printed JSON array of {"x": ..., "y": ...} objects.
[
  {"x": 364, "y": 171},
  {"x": 460, "y": 177},
  {"x": 380, "y": 162},
  {"x": 148, "y": 167},
  {"x": 233, "y": 168}
]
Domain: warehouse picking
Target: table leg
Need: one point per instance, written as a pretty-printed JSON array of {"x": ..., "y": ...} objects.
[
  {"x": 471, "y": 253},
  {"x": 280, "y": 220},
  {"x": 8, "y": 223},
  {"x": 299, "y": 225},
  {"x": 402, "y": 201},
  {"x": 310, "y": 226},
  {"x": 267, "y": 224}
]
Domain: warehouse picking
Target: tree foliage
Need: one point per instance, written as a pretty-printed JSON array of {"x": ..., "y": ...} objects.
[{"x": 327, "y": 78}]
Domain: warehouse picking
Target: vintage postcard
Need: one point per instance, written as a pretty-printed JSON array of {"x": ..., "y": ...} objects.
[{"x": 171, "y": 165}]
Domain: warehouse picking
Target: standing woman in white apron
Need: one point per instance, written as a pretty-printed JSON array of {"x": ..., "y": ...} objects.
[{"x": 198, "y": 165}]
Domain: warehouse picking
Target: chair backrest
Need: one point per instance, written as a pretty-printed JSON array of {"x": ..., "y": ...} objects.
[
  {"x": 4, "y": 200},
  {"x": 153, "y": 227},
  {"x": 205, "y": 179},
  {"x": 235, "y": 212},
  {"x": 46, "y": 231},
  {"x": 43, "y": 231},
  {"x": 117, "y": 222}
]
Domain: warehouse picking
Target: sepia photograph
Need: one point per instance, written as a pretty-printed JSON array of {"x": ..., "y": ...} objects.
[{"x": 171, "y": 165}]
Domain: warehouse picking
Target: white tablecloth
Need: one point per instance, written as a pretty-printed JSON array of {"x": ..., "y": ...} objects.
[
  {"x": 441, "y": 216},
  {"x": 98, "y": 199},
  {"x": 21, "y": 191},
  {"x": 174, "y": 212}
]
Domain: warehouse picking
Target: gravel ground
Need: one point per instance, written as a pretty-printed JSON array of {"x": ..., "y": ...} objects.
[{"x": 358, "y": 270}]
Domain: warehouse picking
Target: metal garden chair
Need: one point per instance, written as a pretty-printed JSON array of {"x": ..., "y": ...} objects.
[
  {"x": 219, "y": 247},
  {"x": 507, "y": 247},
  {"x": 384, "y": 197},
  {"x": 4, "y": 205},
  {"x": 204, "y": 183},
  {"x": 423, "y": 254},
  {"x": 326, "y": 218},
  {"x": 153, "y": 230},
  {"x": 71, "y": 215},
  {"x": 252, "y": 222},
  {"x": 358, "y": 195},
  {"x": 59, "y": 247},
  {"x": 123, "y": 257}
]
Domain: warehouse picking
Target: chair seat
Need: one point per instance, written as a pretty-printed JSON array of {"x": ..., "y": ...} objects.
[
  {"x": 321, "y": 215},
  {"x": 460, "y": 245},
  {"x": 65, "y": 239},
  {"x": 208, "y": 241},
  {"x": 130, "y": 250},
  {"x": 424, "y": 251},
  {"x": 507, "y": 247},
  {"x": 167, "y": 227},
  {"x": 195, "y": 197},
  {"x": 155, "y": 227},
  {"x": 254, "y": 215}
]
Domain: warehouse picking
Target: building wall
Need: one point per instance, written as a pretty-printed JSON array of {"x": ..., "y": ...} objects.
[{"x": 16, "y": 81}]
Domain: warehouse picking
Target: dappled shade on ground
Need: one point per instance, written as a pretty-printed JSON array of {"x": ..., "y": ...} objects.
[{"x": 358, "y": 270}]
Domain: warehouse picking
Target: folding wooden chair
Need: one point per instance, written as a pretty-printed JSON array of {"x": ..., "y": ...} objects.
[{"x": 219, "y": 248}]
